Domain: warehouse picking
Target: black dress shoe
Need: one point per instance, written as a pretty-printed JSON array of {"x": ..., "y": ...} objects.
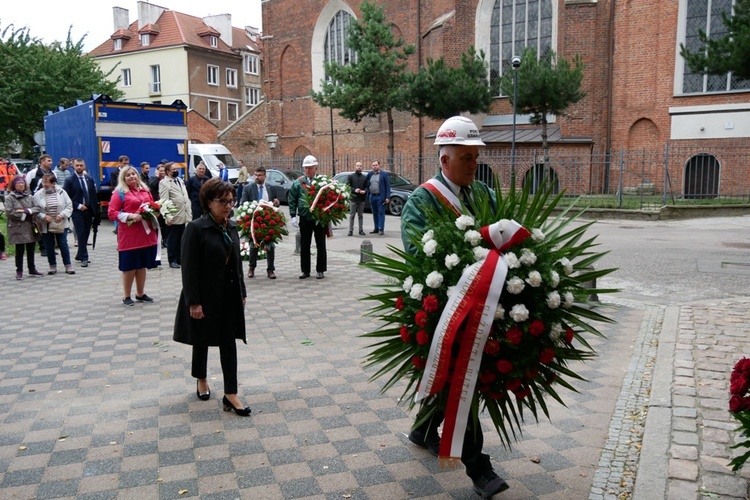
[
  {"x": 489, "y": 484},
  {"x": 84, "y": 263},
  {"x": 271, "y": 275},
  {"x": 431, "y": 442},
  {"x": 361, "y": 233},
  {"x": 304, "y": 275},
  {"x": 375, "y": 231},
  {"x": 242, "y": 412},
  {"x": 174, "y": 265},
  {"x": 203, "y": 396},
  {"x": 319, "y": 276},
  {"x": 251, "y": 273}
]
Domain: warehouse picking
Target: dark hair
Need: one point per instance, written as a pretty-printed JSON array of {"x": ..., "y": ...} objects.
[
  {"x": 214, "y": 188},
  {"x": 260, "y": 169},
  {"x": 51, "y": 178}
]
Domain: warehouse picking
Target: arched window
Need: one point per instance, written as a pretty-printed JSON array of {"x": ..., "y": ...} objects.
[
  {"x": 485, "y": 174},
  {"x": 702, "y": 177},
  {"x": 335, "y": 49},
  {"x": 515, "y": 25},
  {"x": 534, "y": 177}
]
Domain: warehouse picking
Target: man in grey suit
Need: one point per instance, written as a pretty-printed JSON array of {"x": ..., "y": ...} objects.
[{"x": 260, "y": 191}]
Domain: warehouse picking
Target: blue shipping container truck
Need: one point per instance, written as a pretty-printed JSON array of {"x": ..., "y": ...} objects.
[{"x": 101, "y": 130}]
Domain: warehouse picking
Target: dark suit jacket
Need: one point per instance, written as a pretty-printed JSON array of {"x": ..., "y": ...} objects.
[
  {"x": 78, "y": 197},
  {"x": 194, "y": 185},
  {"x": 250, "y": 192}
]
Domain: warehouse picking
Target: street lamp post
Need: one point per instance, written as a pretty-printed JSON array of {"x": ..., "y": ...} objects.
[{"x": 515, "y": 62}]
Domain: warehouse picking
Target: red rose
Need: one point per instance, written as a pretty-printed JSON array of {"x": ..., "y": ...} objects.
[
  {"x": 421, "y": 318},
  {"x": 430, "y": 303},
  {"x": 522, "y": 393},
  {"x": 547, "y": 355},
  {"x": 514, "y": 336},
  {"x": 569, "y": 336},
  {"x": 271, "y": 232},
  {"x": 738, "y": 386},
  {"x": 514, "y": 384},
  {"x": 405, "y": 335},
  {"x": 483, "y": 388},
  {"x": 531, "y": 374},
  {"x": 536, "y": 328},
  {"x": 487, "y": 377},
  {"x": 736, "y": 403},
  {"x": 418, "y": 362},
  {"x": 496, "y": 395},
  {"x": 492, "y": 347},
  {"x": 504, "y": 366},
  {"x": 256, "y": 225},
  {"x": 422, "y": 337},
  {"x": 267, "y": 238},
  {"x": 400, "y": 302},
  {"x": 262, "y": 226}
]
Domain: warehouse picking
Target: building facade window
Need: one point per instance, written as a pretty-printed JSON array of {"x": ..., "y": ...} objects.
[
  {"x": 214, "y": 111},
  {"x": 334, "y": 47},
  {"x": 118, "y": 44},
  {"x": 155, "y": 84},
  {"x": 705, "y": 15},
  {"x": 125, "y": 77},
  {"x": 212, "y": 74},
  {"x": 145, "y": 39},
  {"x": 214, "y": 41},
  {"x": 252, "y": 96},
  {"x": 231, "y": 111},
  {"x": 251, "y": 64},
  {"x": 231, "y": 78},
  {"x": 516, "y": 25}
]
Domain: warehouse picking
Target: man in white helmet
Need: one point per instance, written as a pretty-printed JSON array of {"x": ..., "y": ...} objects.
[
  {"x": 307, "y": 226},
  {"x": 451, "y": 189}
]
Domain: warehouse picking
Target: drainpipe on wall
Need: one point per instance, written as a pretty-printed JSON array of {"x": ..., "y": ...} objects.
[
  {"x": 610, "y": 98},
  {"x": 419, "y": 119}
]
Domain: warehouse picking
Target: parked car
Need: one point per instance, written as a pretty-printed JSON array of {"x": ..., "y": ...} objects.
[
  {"x": 282, "y": 180},
  {"x": 401, "y": 189}
]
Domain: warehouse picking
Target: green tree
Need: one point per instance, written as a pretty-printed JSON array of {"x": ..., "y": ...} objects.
[
  {"x": 35, "y": 77},
  {"x": 546, "y": 86},
  {"x": 439, "y": 91},
  {"x": 730, "y": 52},
  {"x": 374, "y": 82}
]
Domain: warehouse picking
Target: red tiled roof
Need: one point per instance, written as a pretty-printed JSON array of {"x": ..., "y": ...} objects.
[
  {"x": 171, "y": 29},
  {"x": 241, "y": 40}
]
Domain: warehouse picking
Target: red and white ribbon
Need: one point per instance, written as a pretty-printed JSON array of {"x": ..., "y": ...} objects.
[
  {"x": 443, "y": 194},
  {"x": 328, "y": 186},
  {"x": 261, "y": 204},
  {"x": 467, "y": 317}
]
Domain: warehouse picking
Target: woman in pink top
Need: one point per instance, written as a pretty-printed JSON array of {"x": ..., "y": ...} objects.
[{"x": 137, "y": 234}]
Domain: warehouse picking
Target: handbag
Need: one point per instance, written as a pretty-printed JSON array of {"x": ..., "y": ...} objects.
[{"x": 56, "y": 227}]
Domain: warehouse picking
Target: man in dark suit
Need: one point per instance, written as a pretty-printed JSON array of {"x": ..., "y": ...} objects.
[
  {"x": 82, "y": 191},
  {"x": 194, "y": 185},
  {"x": 260, "y": 191},
  {"x": 307, "y": 226}
]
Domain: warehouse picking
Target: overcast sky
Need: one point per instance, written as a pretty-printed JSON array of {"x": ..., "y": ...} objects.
[{"x": 50, "y": 19}]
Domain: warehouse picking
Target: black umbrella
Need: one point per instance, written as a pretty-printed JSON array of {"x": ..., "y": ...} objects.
[{"x": 95, "y": 226}]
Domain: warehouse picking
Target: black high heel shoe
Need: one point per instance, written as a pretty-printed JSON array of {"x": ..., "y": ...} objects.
[
  {"x": 203, "y": 396},
  {"x": 242, "y": 412}
]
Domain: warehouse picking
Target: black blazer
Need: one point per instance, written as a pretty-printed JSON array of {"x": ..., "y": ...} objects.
[
  {"x": 73, "y": 187},
  {"x": 250, "y": 192}
]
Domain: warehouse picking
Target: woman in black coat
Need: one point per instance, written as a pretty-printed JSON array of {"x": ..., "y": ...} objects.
[{"x": 211, "y": 311}]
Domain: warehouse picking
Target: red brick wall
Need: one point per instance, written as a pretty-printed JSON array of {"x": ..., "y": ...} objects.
[
  {"x": 201, "y": 129},
  {"x": 246, "y": 139}
]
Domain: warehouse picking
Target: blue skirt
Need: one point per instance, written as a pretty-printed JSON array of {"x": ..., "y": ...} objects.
[{"x": 138, "y": 258}]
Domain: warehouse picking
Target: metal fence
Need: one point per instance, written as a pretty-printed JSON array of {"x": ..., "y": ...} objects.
[{"x": 680, "y": 172}]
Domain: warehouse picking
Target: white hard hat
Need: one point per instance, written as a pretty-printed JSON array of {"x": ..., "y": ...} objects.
[
  {"x": 460, "y": 131},
  {"x": 309, "y": 161}
]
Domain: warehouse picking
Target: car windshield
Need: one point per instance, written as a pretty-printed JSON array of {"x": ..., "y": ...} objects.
[
  {"x": 397, "y": 180},
  {"x": 227, "y": 159},
  {"x": 292, "y": 175}
]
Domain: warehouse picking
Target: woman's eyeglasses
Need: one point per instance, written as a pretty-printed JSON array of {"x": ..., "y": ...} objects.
[{"x": 225, "y": 202}]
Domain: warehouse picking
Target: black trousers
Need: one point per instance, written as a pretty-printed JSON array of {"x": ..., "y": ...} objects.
[
  {"x": 308, "y": 229},
  {"x": 173, "y": 242},
  {"x": 228, "y": 358},
  {"x": 270, "y": 256},
  {"x": 29, "y": 248},
  {"x": 474, "y": 460},
  {"x": 82, "y": 223}
]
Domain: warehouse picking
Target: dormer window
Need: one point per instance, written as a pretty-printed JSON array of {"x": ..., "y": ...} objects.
[
  {"x": 214, "y": 41},
  {"x": 118, "y": 44},
  {"x": 145, "y": 39}
]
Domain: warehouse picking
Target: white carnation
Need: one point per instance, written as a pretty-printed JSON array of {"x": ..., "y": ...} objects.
[
  {"x": 499, "y": 312},
  {"x": 408, "y": 283},
  {"x": 528, "y": 257},
  {"x": 567, "y": 266},
  {"x": 416, "y": 291},
  {"x": 534, "y": 279},
  {"x": 434, "y": 279},
  {"x": 537, "y": 234},
  {"x": 451, "y": 261},
  {"x": 480, "y": 253},
  {"x": 428, "y": 236},
  {"x": 473, "y": 237},
  {"x": 464, "y": 221},
  {"x": 511, "y": 260},
  {"x": 556, "y": 330},
  {"x": 568, "y": 300},
  {"x": 554, "y": 279},
  {"x": 450, "y": 290},
  {"x": 430, "y": 247},
  {"x": 515, "y": 285},
  {"x": 553, "y": 300},
  {"x": 519, "y": 313}
]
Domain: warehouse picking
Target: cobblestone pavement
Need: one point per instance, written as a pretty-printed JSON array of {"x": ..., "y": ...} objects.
[{"x": 96, "y": 401}]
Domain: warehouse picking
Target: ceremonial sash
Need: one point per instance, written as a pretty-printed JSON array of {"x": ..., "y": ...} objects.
[
  {"x": 444, "y": 195},
  {"x": 473, "y": 305}
]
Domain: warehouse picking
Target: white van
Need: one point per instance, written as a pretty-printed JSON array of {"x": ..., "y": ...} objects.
[{"x": 211, "y": 155}]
